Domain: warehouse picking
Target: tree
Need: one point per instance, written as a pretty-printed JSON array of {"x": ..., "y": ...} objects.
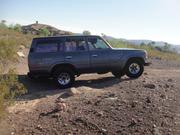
[
  {"x": 86, "y": 32},
  {"x": 142, "y": 44},
  {"x": 17, "y": 27},
  {"x": 3, "y": 24},
  {"x": 153, "y": 42},
  {"x": 44, "y": 32},
  {"x": 166, "y": 47}
]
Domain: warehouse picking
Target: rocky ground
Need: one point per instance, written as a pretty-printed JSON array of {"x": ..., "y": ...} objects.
[{"x": 100, "y": 104}]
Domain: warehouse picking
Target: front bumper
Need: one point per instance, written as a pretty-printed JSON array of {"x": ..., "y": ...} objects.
[{"x": 147, "y": 63}]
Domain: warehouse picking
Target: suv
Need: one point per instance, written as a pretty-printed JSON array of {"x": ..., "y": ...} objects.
[{"x": 66, "y": 57}]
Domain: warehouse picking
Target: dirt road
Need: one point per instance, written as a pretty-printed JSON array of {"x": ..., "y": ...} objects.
[{"x": 101, "y": 104}]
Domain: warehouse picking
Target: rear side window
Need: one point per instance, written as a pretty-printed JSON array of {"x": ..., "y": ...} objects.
[
  {"x": 73, "y": 44},
  {"x": 48, "y": 46}
]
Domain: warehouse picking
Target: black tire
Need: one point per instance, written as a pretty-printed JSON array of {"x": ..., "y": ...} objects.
[
  {"x": 58, "y": 76},
  {"x": 31, "y": 76},
  {"x": 118, "y": 74},
  {"x": 134, "y": 68}
]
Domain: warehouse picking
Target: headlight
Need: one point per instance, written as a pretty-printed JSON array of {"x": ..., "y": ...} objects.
[{"x": 146, "y": 54}]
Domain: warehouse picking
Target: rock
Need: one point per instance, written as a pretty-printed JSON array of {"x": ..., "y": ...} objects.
[
  {"x": 97, "y": 102},
  {"x": 156, "y": 131},
  {"x": 133, "y": 123},
  {"x": 39, "y": 127},
  {"x": 112, "y": 98},
  {"x": 148, "y": 100},
  {"x": 134, "y": 103},
  {"x": 169, "y": 80},
  {"x": 103, "y": 130},
  {"x": 163, "y": 96},
  {"x": 72, "y": 92},
  {"x": 111, "y": 95},
  {"x": 60, "y": 104},
  {"x": 21, "y": 47},
  {"x": 150, "y": 85},
  {"x": 55, "y": 115},
  {"x": 166, "y": 86},
  {"x": 100, "y": 114},
  {"x": 145, "y": 73},
  {"x": 21, "y": 54},
  {"x": 88, "y": 102}
]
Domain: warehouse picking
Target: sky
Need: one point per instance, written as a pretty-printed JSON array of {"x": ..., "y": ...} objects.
[{"x": 157, "y": 20}]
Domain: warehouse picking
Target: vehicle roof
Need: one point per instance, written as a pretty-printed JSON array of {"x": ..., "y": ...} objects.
[{"x": 56, "y": 37}]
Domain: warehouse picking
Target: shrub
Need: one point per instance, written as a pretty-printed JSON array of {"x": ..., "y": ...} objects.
[
  {"x": 44, "y": 32},
  {"x": 10, "y": 88},
  {"x": 86, "y": 32},
  {"x": 17, "y": 27}
]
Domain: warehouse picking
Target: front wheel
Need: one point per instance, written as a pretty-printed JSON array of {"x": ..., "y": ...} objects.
[
  {"x": 134, "y": 68},
  {"x": 64, "y": 78}
]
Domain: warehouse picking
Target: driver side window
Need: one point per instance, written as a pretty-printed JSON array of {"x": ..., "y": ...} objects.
[{"x": 96, "y": 43}]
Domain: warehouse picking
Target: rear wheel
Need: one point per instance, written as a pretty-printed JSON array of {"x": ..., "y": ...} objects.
[
  {"x": 134, "y": 68},
  {"x": 64, "y": 78}
]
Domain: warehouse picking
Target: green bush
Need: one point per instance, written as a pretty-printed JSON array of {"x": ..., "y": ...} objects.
[
  {"x": 10, "y": 88},
  {"x": 17, "y": 27},
  {"x": 86, "y": 32},
  {"x": 44, "y": 32}
]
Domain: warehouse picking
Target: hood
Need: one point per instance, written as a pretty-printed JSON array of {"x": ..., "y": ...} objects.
[{"x": 128, "y": 49}]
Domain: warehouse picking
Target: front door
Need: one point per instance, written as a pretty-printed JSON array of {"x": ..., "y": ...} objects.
[{"x": 100, "y": 54}]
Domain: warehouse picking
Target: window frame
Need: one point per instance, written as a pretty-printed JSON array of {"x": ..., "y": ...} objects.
[{"x": 98, "y": 37}]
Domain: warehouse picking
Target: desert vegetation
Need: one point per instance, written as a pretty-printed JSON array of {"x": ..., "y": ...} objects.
[
  {"x": 11, "y": 39},
  {"x": 163, "y": 52}
]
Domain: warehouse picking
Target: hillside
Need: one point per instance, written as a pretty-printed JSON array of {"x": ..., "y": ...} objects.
[
  {"x": 139, "y": 42},
  {"x": 36, "y": 29}
]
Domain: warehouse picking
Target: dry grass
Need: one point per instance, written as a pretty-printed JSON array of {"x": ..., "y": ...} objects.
[{"x": 10, "y": 87}]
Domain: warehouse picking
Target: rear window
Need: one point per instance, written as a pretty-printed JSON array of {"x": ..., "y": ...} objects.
[{"x": 47, "y": 47}]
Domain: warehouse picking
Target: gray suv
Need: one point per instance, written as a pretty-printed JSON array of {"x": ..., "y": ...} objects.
[{"x": 66, "y": 57}]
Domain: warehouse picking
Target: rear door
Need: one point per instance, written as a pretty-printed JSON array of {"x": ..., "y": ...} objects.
[
  {"x": 76, "y": 53},
  {"x": 46, "y": 53}
]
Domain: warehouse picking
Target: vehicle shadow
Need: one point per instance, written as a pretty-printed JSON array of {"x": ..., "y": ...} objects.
[{"x": 46, "y": 87}]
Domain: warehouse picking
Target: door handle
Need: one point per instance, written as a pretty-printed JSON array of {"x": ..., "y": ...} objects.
[
  {"x": 94, "y": 55},
  {"x": 68, "y": 57}
]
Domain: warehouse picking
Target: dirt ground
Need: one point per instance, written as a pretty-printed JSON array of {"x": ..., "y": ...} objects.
[{"x": 100, "y": 104}]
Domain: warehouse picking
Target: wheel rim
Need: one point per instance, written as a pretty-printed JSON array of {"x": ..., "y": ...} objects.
[
  {"x": 64, "y": 79},
  {"x": 134, "y": 68}
]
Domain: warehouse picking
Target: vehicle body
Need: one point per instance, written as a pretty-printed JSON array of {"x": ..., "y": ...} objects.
[{"x": 65, "y": 57}]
